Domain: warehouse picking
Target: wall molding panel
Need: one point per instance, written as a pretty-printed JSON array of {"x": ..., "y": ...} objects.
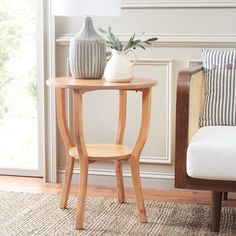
[
  {"x": 172, "y": 40},
  {"x": 128, "y": 4},
  {"x": 183, "y": 28},
  {"x": 168, "y": 63}
]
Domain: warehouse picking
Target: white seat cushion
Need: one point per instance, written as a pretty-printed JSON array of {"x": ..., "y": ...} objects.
[{"x": 212, "y": 153}]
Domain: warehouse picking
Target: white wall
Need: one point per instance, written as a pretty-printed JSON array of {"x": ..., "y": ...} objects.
[{"x": 183, "y": 29}]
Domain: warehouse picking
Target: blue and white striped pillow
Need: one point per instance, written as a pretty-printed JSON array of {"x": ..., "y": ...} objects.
[{"x": 220, "y": 88}]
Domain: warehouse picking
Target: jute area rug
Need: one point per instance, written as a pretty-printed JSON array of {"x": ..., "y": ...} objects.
[{"x": 38, "y": 214}]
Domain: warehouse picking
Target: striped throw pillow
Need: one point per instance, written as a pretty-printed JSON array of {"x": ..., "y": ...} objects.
[{"x": 220, "y": 88}]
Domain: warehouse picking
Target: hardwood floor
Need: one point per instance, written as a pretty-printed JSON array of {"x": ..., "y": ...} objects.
[{"x": 37, "y": 185}]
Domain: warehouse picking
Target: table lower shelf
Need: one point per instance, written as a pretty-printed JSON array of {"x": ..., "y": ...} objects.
[{"x": 104, "y": 152}]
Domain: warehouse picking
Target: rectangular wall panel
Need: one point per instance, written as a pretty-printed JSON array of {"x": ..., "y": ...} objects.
[{"x": 183, "y": 29}]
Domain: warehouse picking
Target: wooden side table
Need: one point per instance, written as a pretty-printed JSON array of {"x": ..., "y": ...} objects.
[{"x": 90, "y": 153}]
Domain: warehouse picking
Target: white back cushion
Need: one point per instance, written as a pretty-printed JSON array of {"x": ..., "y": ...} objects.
[{"x": 220, "y": 88}]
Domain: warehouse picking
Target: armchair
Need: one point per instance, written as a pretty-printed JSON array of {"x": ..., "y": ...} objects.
[{"x": 205, "y": 158}]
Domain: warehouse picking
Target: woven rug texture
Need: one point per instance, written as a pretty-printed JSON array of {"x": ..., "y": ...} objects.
[{"x": 30, "y": 214}]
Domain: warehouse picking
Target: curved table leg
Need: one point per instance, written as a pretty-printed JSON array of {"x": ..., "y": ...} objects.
[
  {"x": 83, "y": 182},
  {"x": 79, "y": 137},
  {"x": 135, "y": 155},
  {"x": 119, "y": 182},
  {"x": 138, "y": 191},
  {"x": 119, "y": 140},
  {"x": 62, "y": 124},
  {"x": 67, "y": 182},
  {"x": 122, "y": 117}
]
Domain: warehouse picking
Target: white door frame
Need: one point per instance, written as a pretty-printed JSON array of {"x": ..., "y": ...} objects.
[
  {"x": 50, "y": 126},
  {"x": 47, "y": 131}
]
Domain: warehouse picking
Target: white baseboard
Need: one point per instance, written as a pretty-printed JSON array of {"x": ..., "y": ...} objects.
[{"x": 104, "y": 177}]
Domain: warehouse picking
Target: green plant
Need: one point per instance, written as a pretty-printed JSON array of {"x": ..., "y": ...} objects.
[
  {"x": 32, "y": 85},
  {"x": 116, "y": 44},
  {"x": 9, "y": 46},
  {"x": 17, "y": 27}
]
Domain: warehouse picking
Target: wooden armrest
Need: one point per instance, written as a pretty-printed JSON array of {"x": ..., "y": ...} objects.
[{"x": 190, "y": 92}]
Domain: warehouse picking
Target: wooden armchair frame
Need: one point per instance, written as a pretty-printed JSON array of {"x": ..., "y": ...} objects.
[{"x": 190, "y": 90}]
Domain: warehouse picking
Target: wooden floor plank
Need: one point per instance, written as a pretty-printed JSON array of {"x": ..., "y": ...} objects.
[{"x": 37, "y": 185}]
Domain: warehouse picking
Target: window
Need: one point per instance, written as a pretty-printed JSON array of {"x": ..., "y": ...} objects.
[{"x": 19, "y": 96}]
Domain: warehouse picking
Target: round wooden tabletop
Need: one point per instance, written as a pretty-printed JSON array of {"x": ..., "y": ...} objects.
[{"x": 100, "y": 84}]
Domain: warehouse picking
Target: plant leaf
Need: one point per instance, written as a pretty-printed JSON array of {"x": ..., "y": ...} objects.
[
  {"x": 130, "y": 41},
  {"x": 152, "y": 39},
  {"x": 120, "y": 45},
  {"x": 109, "y": 30},
  {"x": 141, "y": 46},
  {"x": 136, "y": 41},
  {"x": 102, "y": 31},
  {"x": 109, "y": 42},
  {"x": 133, "y": 36}
]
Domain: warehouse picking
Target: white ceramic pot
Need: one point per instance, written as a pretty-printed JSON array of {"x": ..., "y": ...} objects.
[{"x": 119, "y": 68}]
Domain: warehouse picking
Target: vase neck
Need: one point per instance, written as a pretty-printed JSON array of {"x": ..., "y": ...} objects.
[{"x": 87, "y": 31}]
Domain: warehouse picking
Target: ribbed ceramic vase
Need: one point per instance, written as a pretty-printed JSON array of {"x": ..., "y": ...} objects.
[{"x": 87, "y": 53}]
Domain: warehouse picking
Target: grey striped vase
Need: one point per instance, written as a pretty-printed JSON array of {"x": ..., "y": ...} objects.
[{"x": 87, "y": 53}]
